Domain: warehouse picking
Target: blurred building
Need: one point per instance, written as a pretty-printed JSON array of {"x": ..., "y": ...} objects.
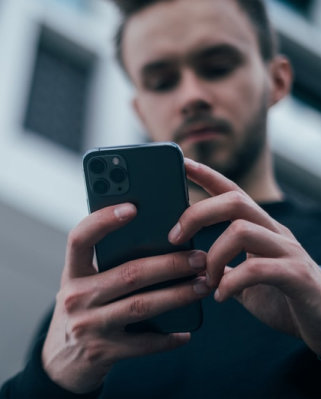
[
  {"x": 295, "y": 123},
  {"x": 61, "y": 93}
]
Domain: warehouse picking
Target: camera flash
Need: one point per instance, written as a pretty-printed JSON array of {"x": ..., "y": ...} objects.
[{"x": 115, "y": 161}]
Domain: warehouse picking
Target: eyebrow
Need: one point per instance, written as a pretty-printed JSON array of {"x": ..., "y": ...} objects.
[
  {"x": 157, "y": 66},
  {"x": 222, "y": 49},
  {"x": 217, "y": 50}
]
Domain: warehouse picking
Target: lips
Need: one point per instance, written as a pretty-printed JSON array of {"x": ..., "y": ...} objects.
[{"x": 201, "y": 133}]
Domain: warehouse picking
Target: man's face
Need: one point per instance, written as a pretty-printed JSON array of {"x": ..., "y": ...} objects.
[{"x": 200, "y": 80}]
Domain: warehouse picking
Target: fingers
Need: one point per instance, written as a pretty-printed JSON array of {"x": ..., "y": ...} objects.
[
  {"x": 116, "y": 315},
  {"x": 294, "y": 273},
  {"x": 92, "y": 229},
  {"x": 231, "y": 204},
  {"x": 252, "y": 272},
  {"x": 135, "y": 345},
  {"x": 105, "y": 287},
  {"x": 248, "y": 237},
  {"x": 141, "y": 273},
  {"x": 213, "y": 182}
]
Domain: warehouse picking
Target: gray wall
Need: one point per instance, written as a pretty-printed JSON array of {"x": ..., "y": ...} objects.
[{"x": 32, "y": 258}]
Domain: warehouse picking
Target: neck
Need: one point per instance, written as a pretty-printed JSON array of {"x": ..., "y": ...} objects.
[{"x": 259, "y": 183}]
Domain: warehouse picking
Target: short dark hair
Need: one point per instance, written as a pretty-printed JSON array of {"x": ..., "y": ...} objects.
[{"x": 255, "y": 9}]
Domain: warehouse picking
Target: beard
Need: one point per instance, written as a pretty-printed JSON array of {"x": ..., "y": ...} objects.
[{"x": 234, "y": 162}]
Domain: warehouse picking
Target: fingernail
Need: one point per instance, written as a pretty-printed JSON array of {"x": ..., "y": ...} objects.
[
  {"x": 184, "y": 338},
  {"x": 191, "y": 163},
  {"x": 124, "y": 212},
  {"x": 217, "y": 295},
  {"x": 201, "y": 288},
  {"x": 197, "y": 260},
  {"x": 207, "y": 279},
  {"x": 175, "y": 233}
]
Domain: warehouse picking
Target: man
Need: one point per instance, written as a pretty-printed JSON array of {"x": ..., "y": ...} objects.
[{"x": 206, "y": 73}]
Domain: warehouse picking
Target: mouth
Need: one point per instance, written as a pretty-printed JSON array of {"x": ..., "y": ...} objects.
[{"x": 198, "y": 134}]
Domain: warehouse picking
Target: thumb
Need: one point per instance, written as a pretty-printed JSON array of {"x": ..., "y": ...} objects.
[{"x": 91, "y": 230}]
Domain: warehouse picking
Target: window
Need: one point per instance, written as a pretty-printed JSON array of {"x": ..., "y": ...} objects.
[
  {"x": 57, "y": 102},
  {"x": 302, "y": 6}
]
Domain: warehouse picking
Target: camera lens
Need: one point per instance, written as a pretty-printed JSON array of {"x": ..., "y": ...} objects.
[
  {"x": 97, "y": 166},
  {"x": 118, "y": 175},
  {"x": 101, "y": 187}
]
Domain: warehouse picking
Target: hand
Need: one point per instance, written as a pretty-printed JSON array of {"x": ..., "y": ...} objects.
[
  {"x": 278, "y": 282},
  {"x": 87, "y": 333}
]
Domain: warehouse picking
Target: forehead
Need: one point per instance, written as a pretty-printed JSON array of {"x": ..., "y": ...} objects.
[{"x": 172, "y": 29}]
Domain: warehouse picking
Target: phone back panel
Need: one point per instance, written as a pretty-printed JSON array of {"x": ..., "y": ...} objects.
[{"x": 155, "y": 183}]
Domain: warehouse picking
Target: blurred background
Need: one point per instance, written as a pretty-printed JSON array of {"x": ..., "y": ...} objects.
[{"x": 61, "y": 93}]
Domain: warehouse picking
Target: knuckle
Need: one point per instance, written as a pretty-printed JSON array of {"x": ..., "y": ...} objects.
[
  {"x": 191, "y": 214},
  {"x": 309, "y": 274},
  {"x": 139, "y": 308},
  {"x": 131, "y": 273},
  {"x": 253, "y": 267},
  {"x": 71, "y": 298},
  {"x": 74, "y": 240},
  {"x": 240, "y": 228},
  {"x": 236, "y": 198},
  {"x": 285, "y": 230},
  {"x": 292, "y": 250},
  {"x": 149, "y": 344},
  {"x": 297, "y": 247},
  {"x": 93, "y": 352},
  {"x": 78, "y": 328},
  {"x": 174, "y": 263}
]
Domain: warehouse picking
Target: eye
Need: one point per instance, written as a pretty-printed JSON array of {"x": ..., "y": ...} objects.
[
  {"x": 213, "y": 70},
  {"x": 161, "y": 81},
  {"x": 217, "y": 66}
]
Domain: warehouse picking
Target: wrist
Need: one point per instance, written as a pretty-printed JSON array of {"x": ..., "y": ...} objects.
[{"x": 33, "y": 381}]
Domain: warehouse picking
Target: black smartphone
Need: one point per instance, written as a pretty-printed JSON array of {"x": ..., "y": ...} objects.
[{"x": 152, "y": 177}]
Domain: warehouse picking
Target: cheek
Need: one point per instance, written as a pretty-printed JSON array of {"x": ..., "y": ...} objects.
[
  {"x": 157, "y": 117},
  {"x": 242, "y": 96}
]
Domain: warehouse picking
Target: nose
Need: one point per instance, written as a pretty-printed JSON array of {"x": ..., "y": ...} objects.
[{"x": 194, "y": 96}]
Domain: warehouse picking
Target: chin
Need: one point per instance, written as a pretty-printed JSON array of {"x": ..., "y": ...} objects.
[{"x": 207, "y": 153}]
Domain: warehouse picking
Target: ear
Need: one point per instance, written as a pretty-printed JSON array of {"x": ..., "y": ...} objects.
[{"x": 281, "y": 75}]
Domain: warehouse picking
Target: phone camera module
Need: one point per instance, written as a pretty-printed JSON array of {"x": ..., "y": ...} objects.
[
  {"x": 101, "y": 187},
  {"x": 118, "y": 175},
  {"x": 97, "y": 166}
]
